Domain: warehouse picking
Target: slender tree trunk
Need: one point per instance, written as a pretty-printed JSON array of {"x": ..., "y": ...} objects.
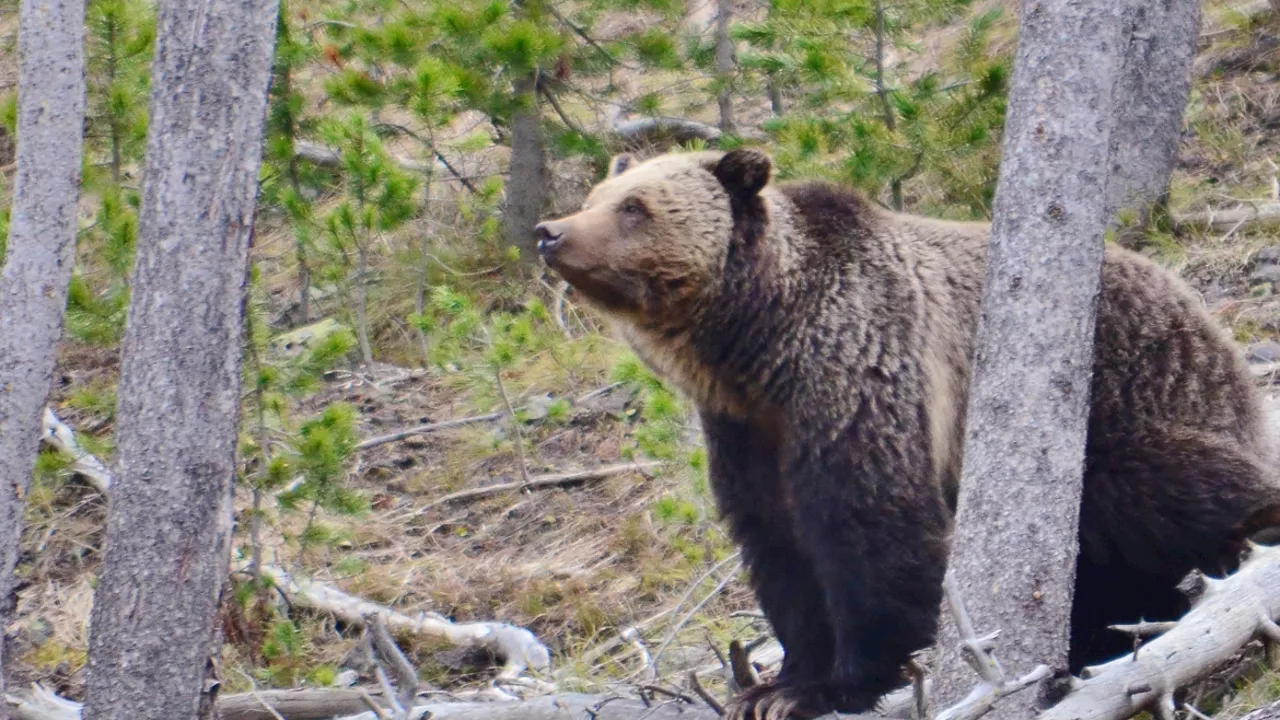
[
  {"x": 263, "y": 438},
  {"x": 168, "y": 534},
  {"x": 39, "y": 255},
  {"x": 360, "y": 234},
  {"x": 304, "y": 271},
  {"x": 1029, "y": 401},
  {"x": 886, "y": 107},
  {"x": 776, "y": 103},
  {"x": 112, "y": 120},
  {"x": 424, "y": 247},
  {"x": 724, "y": 63},
  {"x": 283, "y": 83},
  {"x": 1150, "y": 99},
  {"x": 362, "y": 302},
  {"x": 527, "y": 185}
]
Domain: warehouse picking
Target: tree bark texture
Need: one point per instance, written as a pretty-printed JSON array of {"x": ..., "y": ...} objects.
[
  {"x": 527, "y": 186},
  {"x": 1151, "y": 96},
  {"x": 169, "y": 525},
  {"x": 724, "y": 63},
  {"x": 40, "y": 252},
  {"x": 1029, "y": 399}
]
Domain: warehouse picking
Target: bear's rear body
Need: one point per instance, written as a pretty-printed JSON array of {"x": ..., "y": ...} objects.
[{"x": 828, "y": 343}]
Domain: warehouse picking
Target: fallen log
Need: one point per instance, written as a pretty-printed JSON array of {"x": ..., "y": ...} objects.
[
  {"x": 516, "y": 646},
  {"x": 1229, "y": 613},
  {"x": 1260, "y": 211},
  {"x": 42, "y": 704},
  {"x": 654, "y": 128},
  {"x": 61, "y": 437},
  {"x": 302, "y": 704}
]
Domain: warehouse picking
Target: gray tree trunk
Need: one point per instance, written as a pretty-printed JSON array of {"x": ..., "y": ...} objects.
[
  {"x": 776, "y": 103},
  {"x": 40, "y": 253},
  {"x": 1150, "y": 99},
  {"x": 724, "y": 63},
  {"x": 168, "y": 533},
  {"x": 1014, "y": 547},
  {"x": 527, "y": 185}
]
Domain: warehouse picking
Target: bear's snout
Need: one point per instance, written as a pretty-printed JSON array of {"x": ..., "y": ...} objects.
[{"x": 550, "y": 236}]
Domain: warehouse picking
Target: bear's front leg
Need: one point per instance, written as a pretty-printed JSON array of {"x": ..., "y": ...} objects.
[
  {"x": 870, "y": 516},
  {"x": 745, "y": 471}
]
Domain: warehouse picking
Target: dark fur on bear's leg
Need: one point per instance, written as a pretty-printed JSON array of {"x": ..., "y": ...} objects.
[
  {"x": 1193, "y": 489},
  {"x": 744, "y": 470},
  {"x": 882, "y": 606},
  {"x": 745, "y": 475}
]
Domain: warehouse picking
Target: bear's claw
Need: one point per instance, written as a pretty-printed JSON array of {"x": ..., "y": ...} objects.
[
  {"x": 787, "y": 701},
  {"x": 772, "y": 701}
]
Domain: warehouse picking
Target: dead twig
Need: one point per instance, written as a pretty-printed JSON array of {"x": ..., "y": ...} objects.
[
  {"x": 1145, "y": 629},
  {"x": 679, "y": 625},
  {"x": 744, "y": 675},
  {"x": 669, "y": 693},
  {"x": 435, "y": 427},
  {"x": 540, "y": 481},
  {"x": 979, "y": 652},
  {"x": 426, "y": 430},
  {"x": 702, "y": 693},
  {"x": 385, "y": 647}
]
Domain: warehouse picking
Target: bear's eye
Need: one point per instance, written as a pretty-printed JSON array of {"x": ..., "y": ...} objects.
[{"x": 634, "y": 209}]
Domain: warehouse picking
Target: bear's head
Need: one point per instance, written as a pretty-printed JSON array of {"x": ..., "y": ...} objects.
[{"x": 651, "y": 239}]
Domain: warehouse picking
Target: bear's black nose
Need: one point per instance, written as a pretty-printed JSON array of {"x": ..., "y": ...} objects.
[{"x": 549, "y": 238}]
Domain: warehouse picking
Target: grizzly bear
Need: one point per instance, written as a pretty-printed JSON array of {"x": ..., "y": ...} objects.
[{"x": 827, "y": 343}]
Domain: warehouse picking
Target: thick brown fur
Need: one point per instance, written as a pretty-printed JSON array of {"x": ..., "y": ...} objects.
[{"x": 827, "y": 345}]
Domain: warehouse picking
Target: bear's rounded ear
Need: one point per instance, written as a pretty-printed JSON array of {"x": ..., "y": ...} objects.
[
  {"x": 743, "y": 172},
  {"x": 620, "y": 163}
]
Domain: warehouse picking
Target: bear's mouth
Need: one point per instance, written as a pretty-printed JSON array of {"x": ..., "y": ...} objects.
[{"x": 610, "y": 291}]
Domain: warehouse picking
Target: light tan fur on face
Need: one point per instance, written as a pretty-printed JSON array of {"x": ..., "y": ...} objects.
[{"x": 647, "y": 242}]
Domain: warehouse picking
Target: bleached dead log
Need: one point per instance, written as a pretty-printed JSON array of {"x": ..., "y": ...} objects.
[
  {"x": 677, "y": 129},
  {"x": 1232, "y": 218},
  {"x": 568, "y": 706},
  {"x": 516, "y": 646},
  {"x": 1264, "y": 369},
  {"x": 43, "y": 704},
  {"x": 40, "y": 703},
  {"x": 542, "y": 481},
  {"x": 1229, "y": 613},
  {"x": 305, "y": 704},
  {"x": 58, "y": 435},
  {"x": 328, "y": 157}
]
